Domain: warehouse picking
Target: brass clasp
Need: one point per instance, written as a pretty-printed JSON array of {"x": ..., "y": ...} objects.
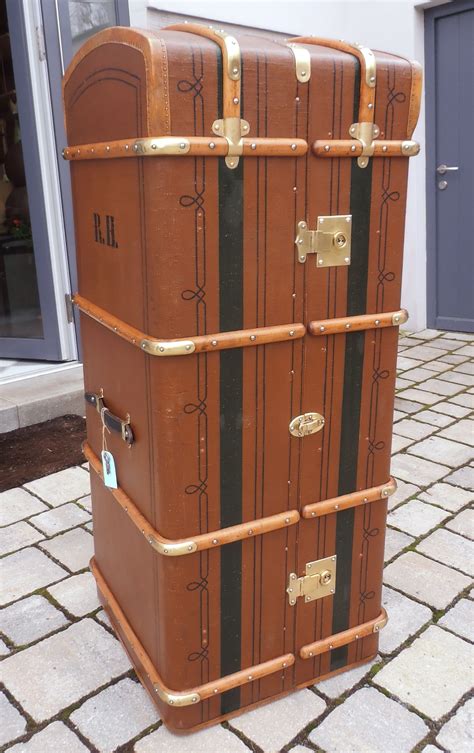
[
  {"x": 331, "y": 241},
  {"x": 319, "y": 581}
]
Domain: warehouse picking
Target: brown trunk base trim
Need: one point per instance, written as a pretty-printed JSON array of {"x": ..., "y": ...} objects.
[
  {"x": 179, "y": 547},
  {"x": 184, "y": 146},
  {"x": 356, "y": 323},
  {"x": 201, "y": 343},
  {"x": 345, "y": 637},
  {"x": 192, "y": 695},
  {"x": 348, "y": 148},
  {"x": 336, "y": 504}
]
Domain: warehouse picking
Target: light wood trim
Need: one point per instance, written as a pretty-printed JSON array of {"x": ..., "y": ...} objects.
[
  {"x": 348, "y": 148},
  {"x": 211, "y": 540},
  {"x": 345, "y": 637},
  {"x": 192, "y": 695},
  {"x": 367, "y": 93},
  {"x": 231, "y": 87},
  {"x": 196, "y": 344},
  {"x": 357, "y": 323},
  {"x": 184, "y": 146},
  {"x": 415, "y": 96},
  {"x": 336, "y": 504}
]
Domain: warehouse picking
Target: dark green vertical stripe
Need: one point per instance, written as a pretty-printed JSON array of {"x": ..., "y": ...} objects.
[
  {"x": 361, "y": 180},
  {"x": 231, "y": 365}
]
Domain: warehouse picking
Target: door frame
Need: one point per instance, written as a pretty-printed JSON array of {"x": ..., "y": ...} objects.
[
  {"x": 430, "y": 17},
  {"x": 58, "y": 342}
]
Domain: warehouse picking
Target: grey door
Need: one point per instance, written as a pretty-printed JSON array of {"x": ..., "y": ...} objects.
[{"x": 449, "y": 42}]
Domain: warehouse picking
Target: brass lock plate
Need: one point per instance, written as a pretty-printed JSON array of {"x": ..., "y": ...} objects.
[
  {"x": 331, "y": 241},
  {"x": 319, "y": 581},
  {"x": 307, "y": 423}
]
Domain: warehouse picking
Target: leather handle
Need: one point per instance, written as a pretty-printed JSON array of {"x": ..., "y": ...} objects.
[{"x": 110, "y": 420}]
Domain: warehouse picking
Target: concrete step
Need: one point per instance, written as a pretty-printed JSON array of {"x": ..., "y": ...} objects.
[{"x": 31, "y": 400}]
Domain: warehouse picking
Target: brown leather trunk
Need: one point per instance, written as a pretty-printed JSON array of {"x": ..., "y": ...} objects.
[{"x": 202, "y": 327}]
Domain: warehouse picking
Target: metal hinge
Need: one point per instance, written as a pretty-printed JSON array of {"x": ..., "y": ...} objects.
[
  {"x": 319, "y": 581},
  {"x": 69, "y": 308},
  {"x": 331, "y": 241},
  {"x": 365, "y": 133}
]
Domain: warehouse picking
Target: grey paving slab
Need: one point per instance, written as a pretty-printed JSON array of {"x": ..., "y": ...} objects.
[
  {"x": 461, "y": 431},
  {"x": 459, "y": 377},
  {"x": 404, "y": 491},
  {"x": 17, "y": 504},
  {"x": 17, "y": 536},
  {"x": 77, "y": 594},
  {"x": 434, "y": 418},
  {"x": 297, "y": 709},
  {"x": 460, "y": 619},
  {"x": 62, "y": 486},
  {"x": 9, "y": 419},
  {"x": 463, "y": 477},
  {"x": 55, "y": 738},
  {"x": 432, "y": 674},
  {"x": 369, "y": 722},
  {"x": 29, "y": 619},
  {"x": 407, "y": 406},
  {"x": 400, "y": 443},
  {"x": 103, "y": 618},
  {"x": 457, "y": 735},
  {"x": 466, "y": 350},
  {"x": 439, "y": 386},
  {"x": 61, "y": 669},
  {"x": 416, "y": 518},
  {"x": 449, "y": 548},
  {"x": 424, "y": 353},
  {"x": 451, "y": 409},
  {"x": 444, "y": 343},
  {"x": 437, "y": 366},
  {"x": 341, "y": 683},
  {"x": 410, "y": 467},
  {"x": 454, "y": 358},
  {"x": 86, "y": 503},
  {"x": 464, "y": 368},
  {"x": 13, "y": 724},
  {"x": 403, "y": 384},
  {"x": 466, "y": 400},
  {"x": 60, "y": 518},
  {"x": 426, "y": 580},
  {"x": 397, "y": 415},
  {"x": 73, "y": 549},
  {"x": 413, "y": 429},
  {"x": 395, "y": 541},
  {"x": 24, "y": 571},
  {"x": 405, "y": 618},
  {"x": 404, "y": 363},
  {"x": 115, "y": 715},
  {"x": 422, "y": 397},
  {"x": 212, "y": 740},
  {"x": 445, "y": 495},
  {"x": 463, "y": 524},
  {"x": 418, "y": 374},
  {"x": 428, "y": 334},
  {"x": 443, "y": 451}
]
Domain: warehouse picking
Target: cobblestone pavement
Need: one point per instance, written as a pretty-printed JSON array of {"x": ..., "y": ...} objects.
[{"x": 68, "y": 685}]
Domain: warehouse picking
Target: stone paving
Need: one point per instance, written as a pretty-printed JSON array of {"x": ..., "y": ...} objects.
[{"x": 68, "y": 685}]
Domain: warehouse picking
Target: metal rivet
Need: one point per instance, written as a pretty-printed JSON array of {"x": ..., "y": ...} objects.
[
  {"x": 303, "y": 73},
  {"x": 216, "y": 690},
  {"x": 347, "y": 260},
  {"x": 195, "y": 698},
  {"x": 171, "y": 702},
  {"x": 253, "y": 146},
  {"x": 214, "y": 342},
  {"x": 370, "y": 105},
  {"x": 188, "y": 347},
  {"x": 396, "y": 319},
  {"x": 153, "y": 146},
  {"x": 366, "y": 499},
  {"x": 127, "y": 146},
  {"x": 235, "y": 71},
  {"x": 165, "y": 551},
  {"x": 182, "y": 145},
  {"x": 384, "y": 148},
  {"x": 235, "y": 100},
  {"x": 284, "y": 664},
  {"x": 302, "y": 258},
  {"x": 309, "y": 566},
  {"x": 327, "y": 148},
  {"x": 332, "y": 590},
  {"x": 292, "y": 602},
  {"x": 297, "y": 99},
  {"x": 135, "y": 147},
  {"x": 250, "y": 678},
  {"x": 190, "y": 548},
  {"x": 313, "y": 514},
  {"x": 357, "y": 637},
  {"x": 293, "y": 576},
  {"x": 348, "y": 326},
  {"x": 372, "y": 79},
  {"x": 214, "y": 541},
  {"x": 336, "y": 507},
  {"x": 322, "y": 328},
  {"x": 320, "y": 262},
  {"x": 250, "y": 532},
  {"x": 321, "y": 220},
  {"x": 293, "y": 147},
  {"x": 385, "y": 493},
  {"x": 353, "y": 148},
  {"x": 161, "y": 349},
  {"x": 331, "y": 645},
  {"x": 376, "y": 628},
  {"x": 291, "y": 332},
  {"x": 212, "y": 145},
  {"x": 245, "y": 127},
  {"x": 377, "y": 322},
  {"x": 253, "y": 337}
]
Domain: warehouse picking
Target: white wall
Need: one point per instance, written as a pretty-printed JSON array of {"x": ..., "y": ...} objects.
[{"x": 381, "y": 24}]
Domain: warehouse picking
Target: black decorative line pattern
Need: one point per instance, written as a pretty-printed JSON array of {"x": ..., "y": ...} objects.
[
  {"x": 384, "y": 276},
  {"x": 195, "y": 202}
]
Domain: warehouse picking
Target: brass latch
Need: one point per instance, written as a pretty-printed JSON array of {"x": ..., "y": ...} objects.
[
  {"x": 331, "y": 241},
  {"x": 319, "y": 581},
  {"x": 307, "y": 423}
]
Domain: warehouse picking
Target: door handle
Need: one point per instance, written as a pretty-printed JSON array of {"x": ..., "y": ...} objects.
[{"x": 442, "y": 169}]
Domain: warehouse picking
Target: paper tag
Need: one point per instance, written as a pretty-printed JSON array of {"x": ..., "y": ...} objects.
[{"x": 108, "y": 465}]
